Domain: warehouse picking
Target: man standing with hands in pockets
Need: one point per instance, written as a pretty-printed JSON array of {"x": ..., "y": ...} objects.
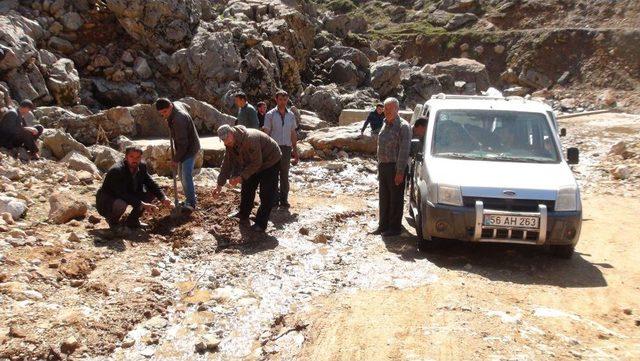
[
  {"x": 394, "y": 143},
  {"x": 280, "y": 124}
]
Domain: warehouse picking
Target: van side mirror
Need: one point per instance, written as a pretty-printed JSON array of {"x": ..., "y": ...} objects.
[
  {"x": 563, "y": 132},
  {"x": 573, "y": 156},
  {"x": 416, "y": 148}
]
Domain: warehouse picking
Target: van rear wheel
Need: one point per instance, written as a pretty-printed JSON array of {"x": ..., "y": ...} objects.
[{"x": 564, "y": 251}]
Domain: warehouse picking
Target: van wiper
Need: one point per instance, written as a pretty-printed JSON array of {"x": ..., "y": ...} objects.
[
  {"x": 459, "y": 155},
  {"x": 521, "y": 159}
]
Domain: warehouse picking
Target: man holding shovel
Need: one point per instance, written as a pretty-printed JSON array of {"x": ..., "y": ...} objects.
[
  {"x": 252, "y": 159},
  {"x": 185, "y": 147}
]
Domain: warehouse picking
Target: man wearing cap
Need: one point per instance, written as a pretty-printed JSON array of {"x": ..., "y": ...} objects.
[
  {"x": 15, "y": 132},
  {"x": 186, "y": 144},
  {"x": 252, "y": 159},
  {"x": 280, "y": 124}
]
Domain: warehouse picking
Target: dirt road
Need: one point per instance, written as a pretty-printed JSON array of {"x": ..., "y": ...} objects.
[{"x": 317, "y": 286}]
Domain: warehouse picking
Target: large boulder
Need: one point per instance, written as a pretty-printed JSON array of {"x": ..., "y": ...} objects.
[
  {"x": 305, "y": 150},
  {"x": 121, "y": 93},
  {"x": 339, "y": 53},
  {"x": 79, "y": 162},
  {"x": 209, "y": 66},
  {"x": 346, "y": 138},
  {"x": 15, "y": 207},
  {"x": 205, "y": 116},
  {"x": 459, "y": 6},
  {"x": 258, "y": 75},
  {"x": 343, "y": 24},
  {"x": 385, "y": 77},
  {"x": 344, "y": 72},
  {"x": 64, "y": 82},
  {"x": 165, "y": 24},
  {"x": 105, "y": 157},
  {"x": 462, "y": 69},
  {"x": 61, "y": 143},
  {"x": 213, "y": 150},
  {"x": 460, "y": 20},
  {"x": 324, "y": 99},
  {"x": 419, "y": 87},
  {"x": 311, "y": 121},
  {"x": 66, "y": 205}
]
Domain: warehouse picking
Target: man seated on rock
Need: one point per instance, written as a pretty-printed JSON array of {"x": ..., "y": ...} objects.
[
  {"x": 375, "y": 118},
  {"x": 15, "y": 132},
  {"x": 128, "y": 184},
  {"x": 247, "y": 115},
  {"x": 252, "y": 158},
  {"x": 262, "y": 111}
]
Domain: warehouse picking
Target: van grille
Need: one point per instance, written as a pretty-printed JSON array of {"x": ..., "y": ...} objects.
[{"x": 506, "y": 204}]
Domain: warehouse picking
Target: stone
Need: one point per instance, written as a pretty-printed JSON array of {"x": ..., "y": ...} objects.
[
  {"x": 499, "y": 49},
  {"x": 459, "y": 5},
  {"x": 385, "y": 77},
  {"x": 64, "y": 82},
  {"x": 534, "y": 79},
  {"x": 73, "y": 237},
  {"x": 346, "y": 138},
  {"x": 19, "y": 291},
  {"x": 61, "y": 143},
  {"x": 439, "y": 18},
  {"x": 515, "y": 91},
  {"x": 460, "y": 20},
  {"x": 304, "y": 231},
  {"x": 621, "y": 172},
  {"x": 208, "y": 343},
  {"x": 12, "y": 206},
  {"x": 344, "y": 72},
  {"x": 128, "y": 342},
  {"x": 157, "y": 154},
  {"x": 461, "y": 69},
  {"x": 142, "y": 69},
  {"x": 127, "y": 57},
  {"x": 155, "y": 272},
  {"x": 564, "y": 78},
  {"x": 324, "y": 99},
  {"x": 79, "y": 162},
  {"x": 305, "y": 150},
  {"x": 72, "y": 21},
  {"x": 321, "y": 238},
  {"x": 419, "y": 87},
  {"x": 608, "y": 98},
  {"x": 61, "y": 45},
  {"x": 17, "y": 332},
  {"x": 619, "y": 148},
  {"x": 7, "y": 218},
  {"x": 69, "y": 345},
  {"x": 311, "y": 122},
  {"x": 65, "y": 206},
  {"x": 213, "y": 151},
  {"x": 568, "y": 103},
  {"x": 105, "y": 157}
]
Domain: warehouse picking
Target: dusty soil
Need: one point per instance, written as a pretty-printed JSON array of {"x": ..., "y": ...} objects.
[{"x": 317, "y": 286}]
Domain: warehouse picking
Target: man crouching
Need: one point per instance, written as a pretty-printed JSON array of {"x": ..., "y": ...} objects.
[
  {"x": 128, "y": 184},
  {"x": 254, "y": 159}
]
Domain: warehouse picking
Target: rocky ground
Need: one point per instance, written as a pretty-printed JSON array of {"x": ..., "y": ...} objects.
[{"x": 316, "y": 286}]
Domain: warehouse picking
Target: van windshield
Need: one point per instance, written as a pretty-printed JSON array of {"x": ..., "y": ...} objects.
[{"x": 494, "y": 135}]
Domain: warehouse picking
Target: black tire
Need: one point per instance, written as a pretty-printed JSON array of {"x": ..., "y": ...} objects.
[
  {"x": 563, "y": 251},
  {"x": 422, "y": 245}
]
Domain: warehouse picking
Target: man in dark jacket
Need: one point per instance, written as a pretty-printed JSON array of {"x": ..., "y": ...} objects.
[
  {"x": 375, "y": 118},
  {"x": 15, "y": 132},
  {"x": 128, "y": 184},
  {"x": 247, "y": 115},
  {"x": 186, "y": 143},
  {"x": 253, "y": 159}
]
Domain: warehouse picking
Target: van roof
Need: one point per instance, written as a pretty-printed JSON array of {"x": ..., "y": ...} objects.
[{"x": 442, "y": 101}]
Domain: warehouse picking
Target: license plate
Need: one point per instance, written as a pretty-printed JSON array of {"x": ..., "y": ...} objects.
[{"x": 512, "y": 221}]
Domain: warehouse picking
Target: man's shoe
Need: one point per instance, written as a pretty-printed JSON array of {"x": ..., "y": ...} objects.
[
  {"x": 256, "y": 228},
  {"x": 391, "y": 233},
  {"x": 285, "y": 205},
  {"x": 135, "y": 224},
  {"x": 244, "y": 221}
]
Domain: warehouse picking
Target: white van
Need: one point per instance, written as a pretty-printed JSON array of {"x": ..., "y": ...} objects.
[{"x": 490, "y": 169}]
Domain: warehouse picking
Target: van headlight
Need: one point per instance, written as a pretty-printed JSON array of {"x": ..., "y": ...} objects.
[
  {"x": 567, "y": 199},
  {"x": 450, "y": 195}
]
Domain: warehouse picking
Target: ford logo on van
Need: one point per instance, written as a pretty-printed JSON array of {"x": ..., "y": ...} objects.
[{"x": 509, "y": 193}]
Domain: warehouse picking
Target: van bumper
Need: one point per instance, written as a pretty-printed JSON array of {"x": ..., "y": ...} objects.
[{"x": 459, "y": 223}]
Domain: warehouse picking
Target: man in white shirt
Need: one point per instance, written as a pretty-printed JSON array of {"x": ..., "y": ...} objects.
[{"x": 280, "y": 124}]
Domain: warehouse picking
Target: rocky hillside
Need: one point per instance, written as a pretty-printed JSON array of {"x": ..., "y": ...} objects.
[{"x": 90, "y": 55}]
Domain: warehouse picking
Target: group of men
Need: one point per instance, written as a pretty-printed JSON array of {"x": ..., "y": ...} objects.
[{"x": 260, "y": 147}]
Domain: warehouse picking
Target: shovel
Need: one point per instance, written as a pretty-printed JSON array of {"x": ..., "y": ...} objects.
[{"x": 176, "y": 212}]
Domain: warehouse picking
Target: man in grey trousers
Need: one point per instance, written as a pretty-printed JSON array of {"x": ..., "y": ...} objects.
[
  {"x": 394, "y": 143},
  {"x": 280, "y": 124}
]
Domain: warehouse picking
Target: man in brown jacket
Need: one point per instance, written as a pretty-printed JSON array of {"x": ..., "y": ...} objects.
[{"x": 252, "y": 158}]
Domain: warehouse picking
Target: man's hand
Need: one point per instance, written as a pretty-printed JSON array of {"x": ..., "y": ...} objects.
[
  {"x": 33, "y": 131},
  {"x": 399, "y": 178},
  {"x": 174, "y": 165},
  {"x": 296, "y": 158},
  {"x": 235, "y": 181},
  {"x": 216, "y": 192},
  {"x": 167, "y": 203},
  {"x": 149, "y": 207}
]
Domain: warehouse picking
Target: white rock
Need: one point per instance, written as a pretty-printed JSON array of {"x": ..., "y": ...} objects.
[
  {"x": 621, "y": 172},
  {"x": 13, "y": 206}
]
